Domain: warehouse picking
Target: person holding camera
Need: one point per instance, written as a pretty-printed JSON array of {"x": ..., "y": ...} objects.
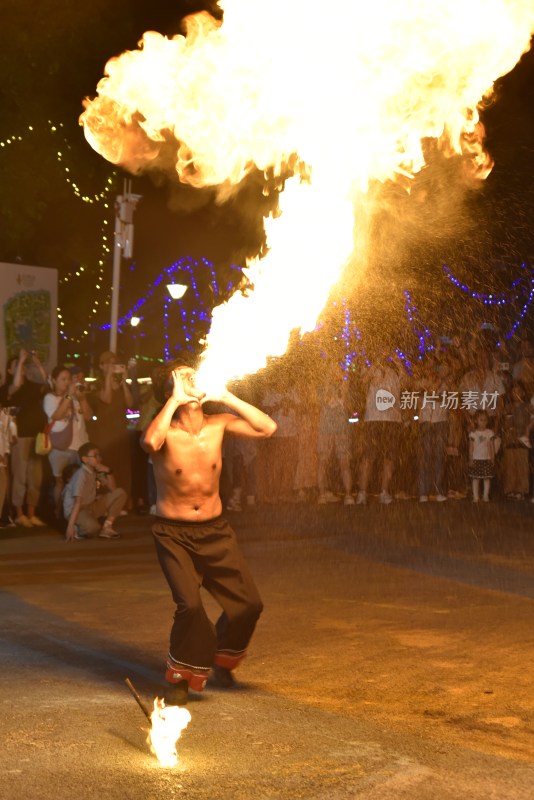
[
  {"x": 25, "y": 396},
  {"x": 67, "y": 410},
  {"x": 110, "y": 400}
]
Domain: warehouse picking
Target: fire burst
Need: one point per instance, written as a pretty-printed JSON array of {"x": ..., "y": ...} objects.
[
  {"x": 337, "y": 96},
  {"x": 168, "y": 722}
]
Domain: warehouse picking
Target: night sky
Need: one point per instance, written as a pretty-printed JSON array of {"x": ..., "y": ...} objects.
[{"x": 52, "y": 54}]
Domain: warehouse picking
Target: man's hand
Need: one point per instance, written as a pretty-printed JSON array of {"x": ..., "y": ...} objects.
[
  {"x": 183, "y": 390},
  {"x": 69, "y": 533}
]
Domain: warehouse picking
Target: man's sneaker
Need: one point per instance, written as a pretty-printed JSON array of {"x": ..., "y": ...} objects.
[
  {"x": 440, "y": 498},
  {"x": 24, "y": 521},
  {"x": 37, "y": 522},
  {"x": 361, "y": 499},
  {"x": 176, "y": 694},
  {"x": 78, "y": 534},
  {"x": 108, "y": 532},
  {"x": 221, "y": 677},
  {"x": 385, "y": 498},
  {"x": 423, "y": 498},
  {"x": 348, "y": 500}
]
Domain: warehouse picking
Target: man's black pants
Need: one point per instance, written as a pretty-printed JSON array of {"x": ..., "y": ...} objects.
[{"x": 195, "y": 554}]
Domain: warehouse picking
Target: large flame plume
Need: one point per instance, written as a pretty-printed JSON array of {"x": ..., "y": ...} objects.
[
  {"x": 168, "y": 722},
  {"x": 334, "y": 95}
]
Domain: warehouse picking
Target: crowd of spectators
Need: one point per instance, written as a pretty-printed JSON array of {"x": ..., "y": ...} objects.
[{"x": 455, "y": 424}]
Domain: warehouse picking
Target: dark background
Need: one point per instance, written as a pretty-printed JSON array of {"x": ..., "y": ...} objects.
[{"x": 52, "y": 54}]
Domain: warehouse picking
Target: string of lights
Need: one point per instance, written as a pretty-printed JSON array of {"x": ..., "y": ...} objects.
[
  {"x": 194, "y": 316},
  {"x": 524, "y": 310},
  {"x": 422, "y": 334},
  {"x": 57, "y": 133},
  {"x": 488, "y": 299},
  {"x": 102, "y": 197}
]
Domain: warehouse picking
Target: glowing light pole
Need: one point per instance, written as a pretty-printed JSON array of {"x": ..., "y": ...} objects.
[{"x": 123, "y": 248}]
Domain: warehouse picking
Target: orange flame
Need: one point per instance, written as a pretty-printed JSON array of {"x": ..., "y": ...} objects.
[
  {"x": 345, "y": 97},
  {"x": 168, "y": 722}
]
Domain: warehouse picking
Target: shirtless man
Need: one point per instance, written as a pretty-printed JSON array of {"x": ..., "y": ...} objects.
[{"x": 195, "y": 544}]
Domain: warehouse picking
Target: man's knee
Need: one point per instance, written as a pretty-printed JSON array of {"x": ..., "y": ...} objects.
[
  {"x": 191, "y": 606},
  {"x": 118, "y": 495},
  {"x": 251, "y": 610}
]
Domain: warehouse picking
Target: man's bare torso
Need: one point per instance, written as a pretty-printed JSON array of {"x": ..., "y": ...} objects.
[{"x": 187, "y": 470}]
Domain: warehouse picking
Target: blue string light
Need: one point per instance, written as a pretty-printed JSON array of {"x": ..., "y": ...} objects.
[
  {"x": 421, "y": 334},
  {"x": 195, "y": 316},
  {"x": 524, "y": 310},
  {"x": 488, "y": 299}
]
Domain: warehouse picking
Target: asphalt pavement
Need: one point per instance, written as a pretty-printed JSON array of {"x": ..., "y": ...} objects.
[{"x": 393, "y": 660}]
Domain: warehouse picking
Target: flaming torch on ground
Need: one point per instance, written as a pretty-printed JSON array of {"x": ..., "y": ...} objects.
[
  {"x": 167, "y": 724},
  {"x": 338, "y": 96}
]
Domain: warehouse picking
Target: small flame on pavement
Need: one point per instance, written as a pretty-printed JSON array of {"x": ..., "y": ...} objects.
[{"x": 168, "y": 722}]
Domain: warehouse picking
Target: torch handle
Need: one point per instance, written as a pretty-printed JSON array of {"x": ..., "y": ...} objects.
[{"x": 138, "y": 700}]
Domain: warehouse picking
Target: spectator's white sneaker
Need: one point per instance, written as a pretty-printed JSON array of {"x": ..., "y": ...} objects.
[
  {"x": 348, "y": 500},
  {"x": 152, "y": 510},
  {"x": 440, "y": 498},
  {"x": 385, "y": 498},
  {"x": 361, "y": 499},
  {"x": 107, "y": 532},
  {"x": 423, "y": 498}
]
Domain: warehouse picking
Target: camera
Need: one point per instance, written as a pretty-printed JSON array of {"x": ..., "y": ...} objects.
[{"x": 80, "y": 387}]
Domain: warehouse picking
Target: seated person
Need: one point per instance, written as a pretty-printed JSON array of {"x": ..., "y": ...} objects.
[{"x": 90, "y": 494}]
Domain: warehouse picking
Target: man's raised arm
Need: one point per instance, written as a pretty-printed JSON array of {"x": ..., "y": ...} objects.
[{"x": 251, "y": 421}]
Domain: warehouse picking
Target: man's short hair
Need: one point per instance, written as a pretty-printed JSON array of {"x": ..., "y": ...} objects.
[
  {"x": 162, "y": 379},
  {"x": 86, "y": 448}
]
